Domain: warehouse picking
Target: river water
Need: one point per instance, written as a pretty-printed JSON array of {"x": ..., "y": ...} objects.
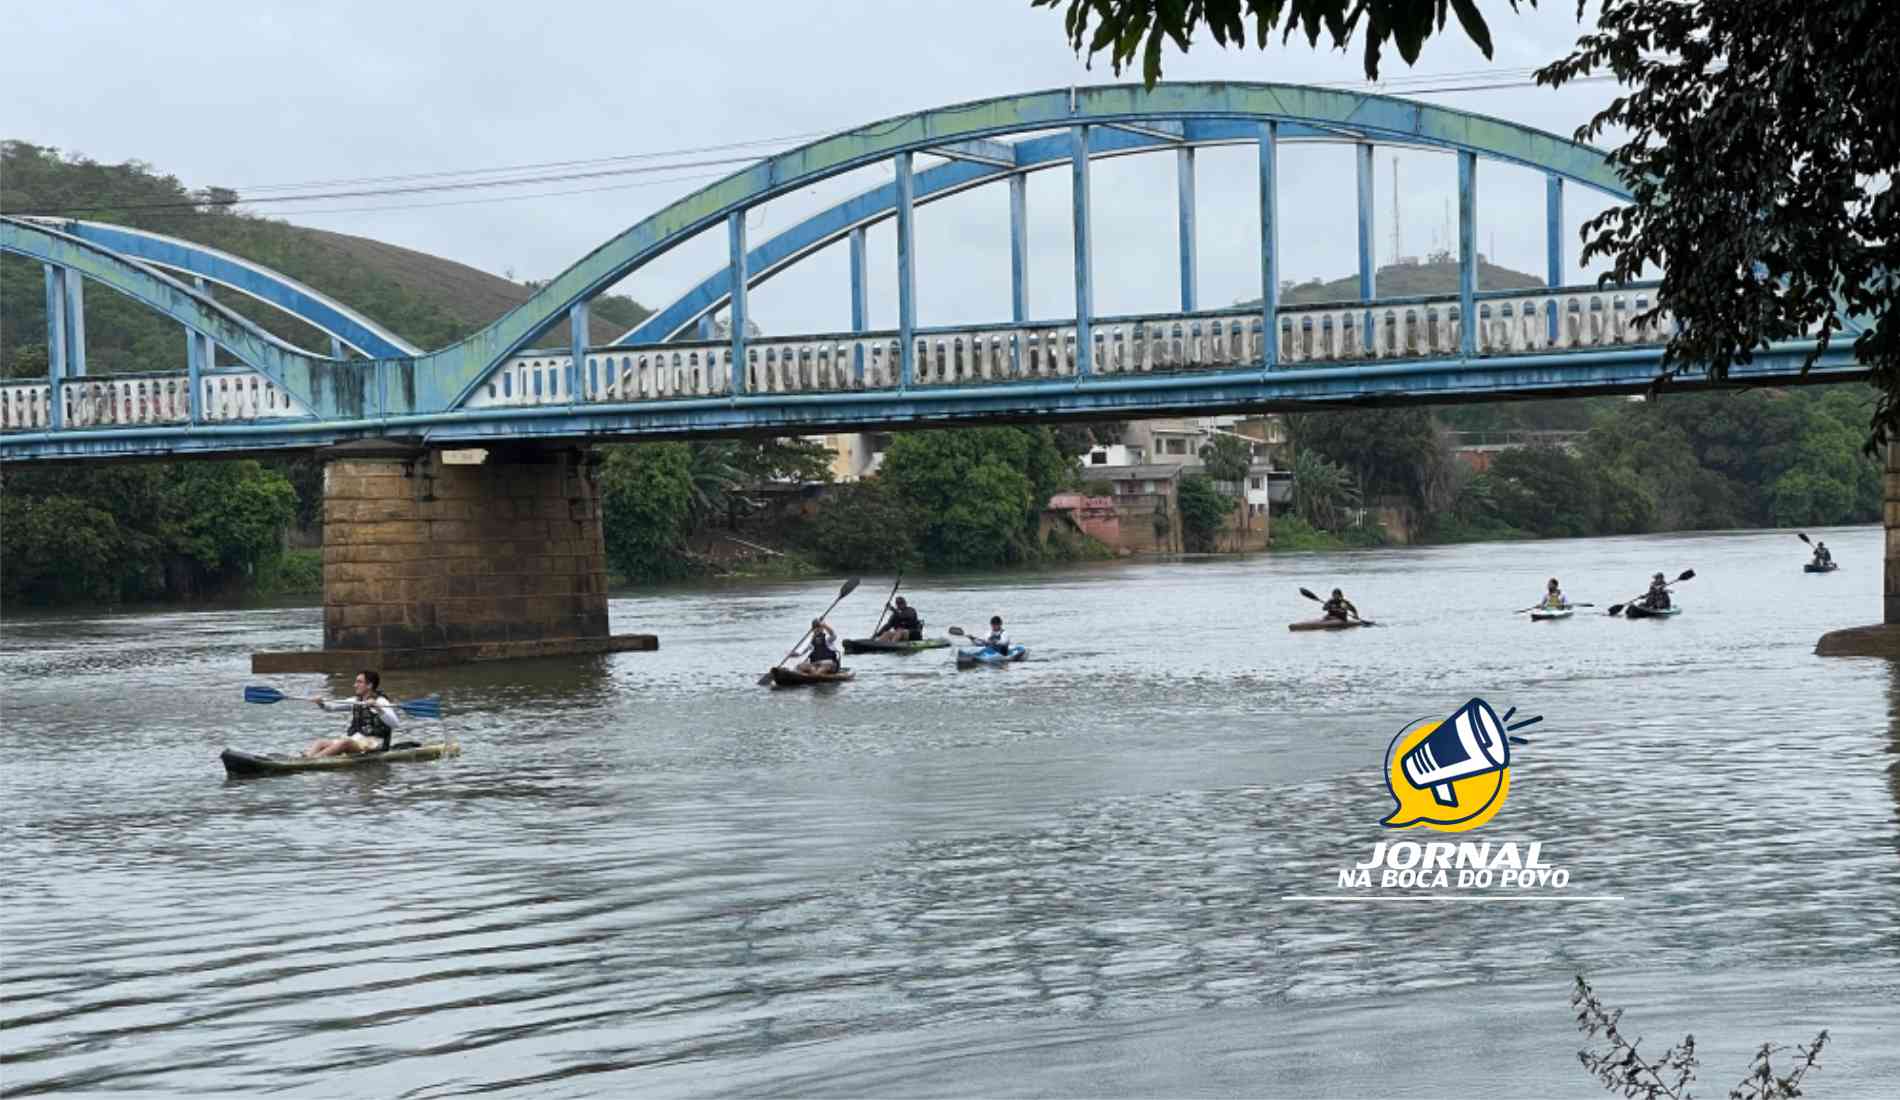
[{"x": 648, "y": 876}]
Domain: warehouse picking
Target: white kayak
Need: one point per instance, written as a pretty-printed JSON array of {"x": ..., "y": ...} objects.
[{"x": 1540, "y": 614}]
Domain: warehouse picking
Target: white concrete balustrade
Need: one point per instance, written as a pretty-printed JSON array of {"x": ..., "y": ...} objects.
[
  {"x": 1331, "y": 334},
  {"x": 127, "y": 399}
]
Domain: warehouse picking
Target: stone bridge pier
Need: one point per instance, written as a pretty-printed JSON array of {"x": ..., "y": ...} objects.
[
  {"x": 1883, "y": 639},
  {"x": 435, "y": 557}
]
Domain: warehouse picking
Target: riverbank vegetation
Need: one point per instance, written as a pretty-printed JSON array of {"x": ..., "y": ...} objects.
[{"x": 1680, "y": 462}]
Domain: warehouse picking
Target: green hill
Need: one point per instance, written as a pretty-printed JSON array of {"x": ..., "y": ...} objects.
[
  {"x": 1437, "y": 276},
  {"x": 429, "y": 301}
]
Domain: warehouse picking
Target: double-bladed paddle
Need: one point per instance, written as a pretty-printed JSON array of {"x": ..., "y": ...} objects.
[
  {"x": 430, "y": 707},
  {"x": 1539, "y": 607},
  {"x": 1355, "y": 613},
  {"x": 850, "y": 586},
  {"x": 887, "y": 603},
  {"x": 1687, "y": 575}
]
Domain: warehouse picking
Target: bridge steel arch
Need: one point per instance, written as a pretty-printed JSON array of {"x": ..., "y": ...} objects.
[
  {"x": 323, "y": 386},
  {"x": 344, "y": 325},
  {"x": 447, "y": 378}
]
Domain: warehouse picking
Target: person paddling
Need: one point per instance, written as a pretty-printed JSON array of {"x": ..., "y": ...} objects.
[
  {"x": 1822, "y": 557},
  {"x": 822, "y": 659},
  {"x": 1657, "y": 598},
  {"x": 1339, "y": 607},
  {"x": 998, "y": 639},
  {"x": 1554, "y": 599},
  {"x": 903, "y": 625},
  {"x": 373, "y": 719}
]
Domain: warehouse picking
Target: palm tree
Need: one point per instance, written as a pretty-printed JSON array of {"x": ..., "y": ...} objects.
[{"x": 1322, "y": 490}]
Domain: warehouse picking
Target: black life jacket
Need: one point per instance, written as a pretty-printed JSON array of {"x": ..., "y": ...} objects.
[
  {"x": 821, "y": 649},
  {"x": 368, "y": 721}
]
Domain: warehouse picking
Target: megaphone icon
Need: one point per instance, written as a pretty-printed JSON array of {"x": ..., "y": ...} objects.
[{"x": 1471, "y": 742}]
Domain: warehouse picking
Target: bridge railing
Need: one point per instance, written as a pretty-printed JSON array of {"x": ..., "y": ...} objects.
[
  {"x": 143, "y": 399},
  {"x": 1333, "y": 333}
]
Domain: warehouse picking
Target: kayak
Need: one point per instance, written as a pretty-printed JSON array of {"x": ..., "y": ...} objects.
[
  {"x": 1813, "y": 568},
  {"x": 245, "y": 763},
  {"x": 1327, "y": 624},
  {"x": 872, "y": 645},
  {"x": 1542, "y": 614},
  {"x": 973, "y": 656},
  {"x": 791, "y": 677},
  {"x": 1638, "y": 611}
]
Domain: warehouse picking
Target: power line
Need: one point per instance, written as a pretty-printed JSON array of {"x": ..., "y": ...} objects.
[
  {"x": 351, "y": 181},
  {"x": 448, "y": 179}
]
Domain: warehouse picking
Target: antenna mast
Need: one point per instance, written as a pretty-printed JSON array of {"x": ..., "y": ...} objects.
[{"x": 1398, "y": 248}]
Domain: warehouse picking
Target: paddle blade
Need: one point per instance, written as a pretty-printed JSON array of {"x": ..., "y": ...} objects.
[
  {"x": 1615, "y": 609},
  {"x": 765, "y": 679},
  {"x": 850, "y": 586},
  {"x": 956, "y": 631},
  {"x": 1687, "y": 575},
  {"x": 430, "y": 707},
  {"x": 1802, "y": 535},
  {"x": 263, "y": 695},
  {"x": 1308, "y": 593}
]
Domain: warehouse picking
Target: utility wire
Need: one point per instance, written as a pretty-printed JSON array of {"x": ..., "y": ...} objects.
[{"x": 448, "y": 181}]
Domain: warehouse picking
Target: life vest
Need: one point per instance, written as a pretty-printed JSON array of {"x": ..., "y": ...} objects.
[{"x": 367, "y": 720}]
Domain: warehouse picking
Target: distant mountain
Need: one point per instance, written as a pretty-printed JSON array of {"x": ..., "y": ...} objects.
[
  {"x": 427, "y": 300},
  {"x": 1405, "y": 281}
]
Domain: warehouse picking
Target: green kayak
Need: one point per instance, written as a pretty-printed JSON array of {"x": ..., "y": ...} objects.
[
  {"x": 245, "y": 763},
  {"x": 872, "y": 645}
]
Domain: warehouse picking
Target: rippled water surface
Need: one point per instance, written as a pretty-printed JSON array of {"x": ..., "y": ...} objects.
[{"x": 647, "y": 875}]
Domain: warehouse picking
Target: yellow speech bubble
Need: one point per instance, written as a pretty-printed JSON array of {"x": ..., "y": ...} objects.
[{"x": 1475, "y": 799}]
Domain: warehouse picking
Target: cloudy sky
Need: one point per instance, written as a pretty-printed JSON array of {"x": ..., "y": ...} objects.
[{"x": 252, "y": 96}]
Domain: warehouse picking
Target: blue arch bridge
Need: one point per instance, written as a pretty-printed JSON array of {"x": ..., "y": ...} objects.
[{"x": 429, "y": 559}]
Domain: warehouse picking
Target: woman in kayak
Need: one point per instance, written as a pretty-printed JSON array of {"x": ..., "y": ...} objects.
[
  {"x": 372, "y": 719},
  {"x": 823, "y": 658},
  {"x": 1657, "y": 598},
  {"x": 1339, "y": 607},
  {"x": 903, "y": 625},
  {"x": 1553, "y": 597},
  {"x": 998, "y": 640}
]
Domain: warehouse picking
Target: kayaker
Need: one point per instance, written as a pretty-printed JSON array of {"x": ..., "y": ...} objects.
[
  {"x": 823, "y": 657},
  {"x": 373, "y": 719},
  {"x": 1553, "y": 597},
  {"x": 903, "y": 625},
  {"x": 1339, "y": 607},
  {"x": 1821, "y": 556},
  {"x": 1657, "y": 598},
  {"x": 998, "y": 640}
]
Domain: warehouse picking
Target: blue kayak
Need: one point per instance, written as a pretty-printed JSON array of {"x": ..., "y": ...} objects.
[{"x": 971, "y": 656}]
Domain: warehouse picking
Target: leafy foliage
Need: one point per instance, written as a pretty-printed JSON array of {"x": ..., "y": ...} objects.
[
  {"x": 1398, "y": 452},
  {"x": 646, "y": 501},
  {"x": 977, "y": 490},
  {"x": 864, "y": 527},
  {"x": 1323, "y": 491},
  {"x": 1622, "y": 1070},
  {"x": 1202, "y": 510},
  {"x": 138, "y": 531},
  {"x": 1127, "y": 28},
  {"x": 1759, "y": 137}
]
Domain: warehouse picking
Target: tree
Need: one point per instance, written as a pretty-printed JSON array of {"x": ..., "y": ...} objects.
[
  {"x": 1202, "y": 510},
  {"x": 1764, "y": 141},
  {"x": 646, "y": 503},
  {"x": 1129, "y": 27},
  {"x": 1229, "y": 459},
  {"x": 1392, "y": 451},
  {"x": 1322, "y": 491},
  {"x": 977, "y": 491},
  {"x": 863, "y": 527}
]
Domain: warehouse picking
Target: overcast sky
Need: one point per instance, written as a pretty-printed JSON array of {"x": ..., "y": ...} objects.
[{"x": 249, "y": 95}]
